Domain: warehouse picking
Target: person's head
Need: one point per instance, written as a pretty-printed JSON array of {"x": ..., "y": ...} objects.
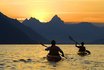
[
  {"x": 82, "y": 43},
  {"x": 53, "y": 42}
]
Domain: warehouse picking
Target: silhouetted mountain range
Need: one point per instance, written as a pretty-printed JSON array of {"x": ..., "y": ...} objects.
[
  {"x": 56, "y": 29},
  {"x": 33, "y": 31},
  {"x": 12, "y": 31}
]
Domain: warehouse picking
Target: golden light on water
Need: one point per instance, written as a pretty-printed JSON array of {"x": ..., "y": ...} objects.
[{"x": 37, "y": 54}]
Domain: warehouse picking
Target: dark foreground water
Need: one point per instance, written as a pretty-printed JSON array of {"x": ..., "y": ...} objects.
[{"x": 32, "y": 57}]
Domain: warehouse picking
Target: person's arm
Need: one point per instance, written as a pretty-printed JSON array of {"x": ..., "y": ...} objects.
[
  {"x": 47, "y": 48},
  {"x": 61, "y": 52},
  {"x": 77, "y": 45}
]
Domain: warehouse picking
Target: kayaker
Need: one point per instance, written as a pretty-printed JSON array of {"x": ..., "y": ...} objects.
[
  {"x": 54, "y": 50},
  {"x": 82, "y": 49}
]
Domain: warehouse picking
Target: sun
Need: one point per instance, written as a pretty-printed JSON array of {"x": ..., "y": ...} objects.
[{"x": 40, "y": 15}]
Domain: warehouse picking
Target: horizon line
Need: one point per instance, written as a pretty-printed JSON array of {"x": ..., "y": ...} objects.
[{"x": 24, "y": 18}]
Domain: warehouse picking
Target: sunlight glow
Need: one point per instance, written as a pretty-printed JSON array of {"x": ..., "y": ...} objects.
[
  {"x": 40, "y": 14},
  {"x": 44, "y": 10}
]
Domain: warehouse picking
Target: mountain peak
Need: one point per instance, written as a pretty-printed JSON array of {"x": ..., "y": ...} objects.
[
  {"x": 34, "y": 20},
  {"x": 85, "y": 23},
  {"x": 5, "y": 17},
  {"x": 31, "y": 18},
  {"x": 1, "y": 14},
  {"x": 26, "y": 19},
  {"x": 56, "y": 17},
  {"x": 7, "y": 20},
  {"x": 56, "y": 20}
]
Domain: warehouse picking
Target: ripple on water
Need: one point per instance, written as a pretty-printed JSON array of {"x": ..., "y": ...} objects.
[
  {"x": 13, "y": 58},
  {"x": 2, "y": 66}
]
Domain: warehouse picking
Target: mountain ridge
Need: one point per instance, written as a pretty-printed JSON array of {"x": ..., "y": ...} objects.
[
  {"x": 58, "y": 30},
  {"x": 13, "y": 32},
  {"x": 33, "y": 31}
]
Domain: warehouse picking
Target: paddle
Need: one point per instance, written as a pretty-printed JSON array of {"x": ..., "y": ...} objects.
[
  {"x": 47, "y": 46},
  {"x": 71, "y": 38},
  {"x": 78, "y": 43},
  {"x": 43, "y": 45}
]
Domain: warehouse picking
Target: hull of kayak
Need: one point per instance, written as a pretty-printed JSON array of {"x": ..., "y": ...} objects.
[
  {"x": 53, "y": 58},
  {"x": 84, "y": 53}
]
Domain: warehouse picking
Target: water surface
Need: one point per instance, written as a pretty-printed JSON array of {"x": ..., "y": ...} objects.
[{"x": 32, "y": 57}]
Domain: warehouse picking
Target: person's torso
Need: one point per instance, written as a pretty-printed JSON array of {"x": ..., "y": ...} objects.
[
  {"x": 54, "y": 50},
  {"x": 82, "y": 49}
]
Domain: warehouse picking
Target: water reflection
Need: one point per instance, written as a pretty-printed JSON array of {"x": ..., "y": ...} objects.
[{"x": 32, "y": 57}]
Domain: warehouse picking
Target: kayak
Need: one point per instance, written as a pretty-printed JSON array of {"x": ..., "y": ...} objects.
[
  {"x": 87, "y": 52},
  {"x": 82, "y": 53},
  {"x": 53, "y": 58}
]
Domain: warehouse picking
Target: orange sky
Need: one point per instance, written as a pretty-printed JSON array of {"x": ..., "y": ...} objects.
[{"x": 44, "y": 10}]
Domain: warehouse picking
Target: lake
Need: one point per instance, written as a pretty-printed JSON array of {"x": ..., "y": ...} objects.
[{"x": 33, "y": 57}]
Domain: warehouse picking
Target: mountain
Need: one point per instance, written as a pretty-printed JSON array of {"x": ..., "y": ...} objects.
[
  {"x": 31, "y": 21},
  {"x": 56, "y": 20},
  {"x": 87, "y": 32},
  {"x": 99, "y": 24},
  {"x": 9, "y": 33},
  {"x": 33, "y": 31},
  {"x": 98, "y": 41},
  {"x": 48, "y": 30},
  {"x": 12, "y": 31},
  {"x": 56, "y": 29}
]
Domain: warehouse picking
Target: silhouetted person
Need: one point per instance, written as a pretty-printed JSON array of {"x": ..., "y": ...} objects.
[
  {"x": 82, "y": 49},
  {"x": 54, "y": 51}
]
